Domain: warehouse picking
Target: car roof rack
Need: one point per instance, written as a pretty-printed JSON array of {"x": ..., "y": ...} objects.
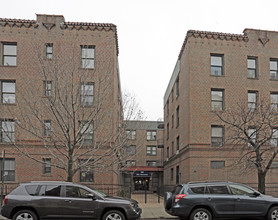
[{"x": 208, "y": 181}]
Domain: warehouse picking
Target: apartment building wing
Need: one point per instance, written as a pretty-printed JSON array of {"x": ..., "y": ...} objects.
[
  {"x": 43, "y": 60},
  {"x": 143, "y": 168},
  {"x": 214, "y": 71}
]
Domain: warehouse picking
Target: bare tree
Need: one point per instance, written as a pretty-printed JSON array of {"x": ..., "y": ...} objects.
[
  {"x": 252, "y": 130},
  {"x": 72, "y": 114}
]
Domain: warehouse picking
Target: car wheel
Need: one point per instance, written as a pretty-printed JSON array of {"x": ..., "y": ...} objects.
[
  {"x": 113, "y": 214},
  {"x": 273, "y": 213},
  {"x": 167, "y": 200},
  {"x": 25, "y": 215},
  {"x": 201, "y": 214}
]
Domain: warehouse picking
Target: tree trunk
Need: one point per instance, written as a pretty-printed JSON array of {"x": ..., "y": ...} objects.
[
  {"x": 70, "y": 172},
  {"x": 261, "y": 181}
]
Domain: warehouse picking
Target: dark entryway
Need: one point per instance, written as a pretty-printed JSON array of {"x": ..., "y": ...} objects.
[{"x": 141, "y": 183}]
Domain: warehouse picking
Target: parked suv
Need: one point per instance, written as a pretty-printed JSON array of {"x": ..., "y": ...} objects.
[
  {"x": 209, "y": 200},
  {"x": 64, "y": 200}
]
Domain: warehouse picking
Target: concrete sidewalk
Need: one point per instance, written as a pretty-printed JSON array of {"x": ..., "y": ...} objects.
[{"x": 154, "y": 211}]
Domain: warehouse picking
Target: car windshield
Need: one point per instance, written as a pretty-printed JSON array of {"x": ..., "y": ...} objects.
[{"x": 100, "y": 193}]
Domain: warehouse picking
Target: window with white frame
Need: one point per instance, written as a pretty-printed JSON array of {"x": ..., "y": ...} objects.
[
  {"x": 216, "y": 65},
  {"x": 252, "y": 136},
  {"x": 47, "y": 88},
  {"x": 131, "y": 134},
  {"x": 252, "y": 100},
  {"x": 86, "y": 132},
  {"x": 217, "y": 136},
  {"x": 273, "y": 66},
  {"x": 131, "y": 163},
  {"x": 46, "y": 165},
  {"x": 151, "y": 163},
  {"x": 87, "y": 94},
  {"x": 49, "y": 50},
  {"x": 86, "y": 173},
  {"x": 151, "y": 135},
  {"x": 274, "y": 139},
  {"x": 151, "y": 150},
  {"x": 9, "y": 54},
  {"x": 217, "y": 99},
  {"x": 88, "y": 56},
  {"x": 252, "y": 67},
  {"x": 274, "y": 101},
  {"x": 7, "y": 131},
  {"x": 47, "y": 128},
  {"x": 9, "y": 169},
  {"x": 8, "y": 92}
]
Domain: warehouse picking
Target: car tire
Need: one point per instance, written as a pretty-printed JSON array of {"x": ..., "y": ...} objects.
[
  {"x": 167, "y": 200},
  {"x": 273, "y": 213},
  {"x": 113, "y": 214},
  {"x": 25, "y": 215},
  {"x": 201, "y": 214}
]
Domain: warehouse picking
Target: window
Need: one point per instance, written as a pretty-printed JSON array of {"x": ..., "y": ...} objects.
[
  {"x": 252, "y": 135},
  {"x": 273, "y": 69},
  {"x": 131, "y": 163},
  {"x": 47, "y": 128},
  {"x": 86, "y": 170},
  {"x": 177, "y": 87},
  {"x": 173, "y": 147},
  {"x": 76, "y": 192},
  {"x": 151, "y": 163},
  {"x": 87, "y": 94},
  {"x": 274, "y": 139},
  {"x": 173, "y": 120},
  {"x": 252, "y": 100},
  {"x": 9, "y": 169},
  {"x": 131, "y": 135},
  {"x": 131, "y": 150},
  {"x": 216, "y": 65},
  {"x": 252, "y": 68},
  {"x": 151, "y": 150},
  {"x": 86, "y": 132},
  {"x": 274, "y": 101},
  {"x": 47, "y": 88},
  {"x": 50, "y": 190},
  {"x": 178, "y": 143},
  {"x": 241, "y": 190},
  {"x": 88, "y": 56},
  {"x": 217, "y": 100},
  {"x": 218, "y": 189},
  {"x": 7, "y": 131},
  {"x": 8, "y": 92},
  {"x": 172, "y": 174},
  {"x": 217, "y": 164},
  {"x": 9, "y": 54},
  {"x": 177, "y": 174},
  {"x": 167, "y": 107},
  {"x": 198, "y": 189},
  {"x": 167, "y": 131},
  {"x": 168, "y": 153},
  {"x": 151, "y": 135},
  {"x": 217, "y": 136},
  {"x": 46, "y": 165},
  {"x": 178, "y": 116},
  {"x": 49, "y": 50}
]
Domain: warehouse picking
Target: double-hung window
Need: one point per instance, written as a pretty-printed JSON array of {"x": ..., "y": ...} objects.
[
  {"x": 9, "y": 169},
  {"x": 151, "y": 135},
  {"x": 274, "y": 139},
  {"x": 47, "y": 88},
  {"x": 216, "y": 65},
  {"x": 87, "y": 56},
  {"x": 217, "y": 98},
  {"x": 9, "y": 54},
  {"x": 252, "y": 100},
  {"x": 87, "y": 94},
  {"x": 86, "y": 170},
  {"x": 252, "y": 67},
  {"x": 131, "y": 134},
  {"x": 86, "y": 132},
  {"x": 252, "y": 136},
  {"x": 151, "y": 150},
  {"x": 49, "y": 50},
  {"x": 217, "y": 136},
  {"x": 8, "y": 92},
  {"x": 274, "y": 101},
  {"x": 273, "y": 66},
  {"x": 47, "y": 128},
  {"x": 46, "y": 165},
  {"x": 7, "y": 131}
]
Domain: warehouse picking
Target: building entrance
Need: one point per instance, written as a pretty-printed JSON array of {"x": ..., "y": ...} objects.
[{"x": 141, "y": 183}]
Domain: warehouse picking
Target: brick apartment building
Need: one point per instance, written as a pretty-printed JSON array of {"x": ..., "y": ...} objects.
[
  {"x": 59, "y": 80},
  {"x": 143, "y": 169},
  {"x": 212, "y": 70}
]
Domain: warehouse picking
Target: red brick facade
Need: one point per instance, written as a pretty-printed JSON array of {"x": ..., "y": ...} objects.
[
  {"x": 26, "y": 68},
  {"x": 188, "y": 98}
]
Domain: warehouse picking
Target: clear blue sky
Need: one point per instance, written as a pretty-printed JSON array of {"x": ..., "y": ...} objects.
[{"x": 151, "y": 32}]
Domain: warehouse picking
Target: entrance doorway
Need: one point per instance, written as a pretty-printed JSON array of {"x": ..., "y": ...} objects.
[{"x": 141, "y": 183}]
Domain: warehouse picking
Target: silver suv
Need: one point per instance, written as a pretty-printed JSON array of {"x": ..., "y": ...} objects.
[
  {"x": 64, "y": 200},
  {"x": 209, "y": 200}
]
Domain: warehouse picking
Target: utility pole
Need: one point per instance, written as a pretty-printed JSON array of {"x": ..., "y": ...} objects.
[{"x": 2, "y": 176}]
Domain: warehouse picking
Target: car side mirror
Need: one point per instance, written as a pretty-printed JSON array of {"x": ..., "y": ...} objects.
[
  {"x": 90, "y": 195},
  {"x": 256, "y": 194}
]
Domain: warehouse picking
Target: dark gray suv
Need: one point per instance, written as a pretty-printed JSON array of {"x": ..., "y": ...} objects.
[
  {"x": 64, "y": 200},
  {"x": 209, "y": 200}
]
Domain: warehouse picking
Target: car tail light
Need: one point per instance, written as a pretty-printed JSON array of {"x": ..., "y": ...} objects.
[
  {"x": 179, "y": 197},
  {"x": 6, "y": 200}
]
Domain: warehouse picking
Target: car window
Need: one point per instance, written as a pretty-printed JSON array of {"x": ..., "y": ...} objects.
[
  {"x": 76, "y": 192},
  {"x": 31, "y": 189},
  {"x": 198, "y": 189},
  {"x": 177, "y": 190},
  {"x": 50, "y": 190},
  {"x": 241, "y": 190},
  {"x": 219, "y": 189}
]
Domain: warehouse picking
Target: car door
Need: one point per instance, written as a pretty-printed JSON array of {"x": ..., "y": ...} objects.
[
  {"x": 247, "y": 201},
  {"x": 78, "y": 205},
  {"x": 220, "y": 199}
]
